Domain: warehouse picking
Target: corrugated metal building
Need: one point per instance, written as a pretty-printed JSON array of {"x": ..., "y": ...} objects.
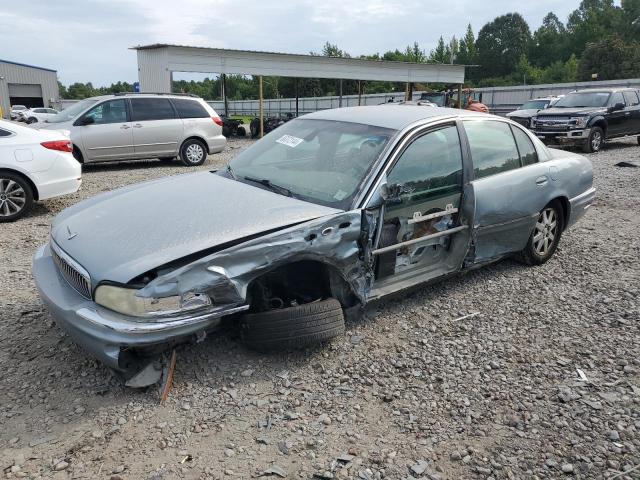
[{"x": 27, "y": 85}]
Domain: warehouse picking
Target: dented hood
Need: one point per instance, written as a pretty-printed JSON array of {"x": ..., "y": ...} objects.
[{"x": 127, "y": 232}]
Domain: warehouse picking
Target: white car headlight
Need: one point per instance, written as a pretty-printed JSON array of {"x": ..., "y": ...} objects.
[
  {"x": 579, "y": 122},
  {"x": 126, "y": 302}
]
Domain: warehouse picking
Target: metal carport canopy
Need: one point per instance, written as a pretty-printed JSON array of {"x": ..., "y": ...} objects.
[{"x": 156, "y": 63}]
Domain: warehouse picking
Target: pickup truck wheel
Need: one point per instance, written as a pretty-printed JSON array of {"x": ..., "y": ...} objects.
[
  {"x": 16, "y": 197},
  {"x": 294, "y": 327},
  {"x": 545, "y": 237},
  {"x": 595, "y": 140},
  {"x": 193, "y": 153}
]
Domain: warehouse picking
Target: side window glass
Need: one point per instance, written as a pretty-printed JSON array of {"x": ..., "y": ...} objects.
[
  {"x": 113, "y": 111},
  {"x": 493, "y": 149},
  {"x": 4, "y": 133},
  {"x": 631, "y": 98},
  {"x": 528, "y": 154},
  {"x": 190, "y": 108},
  {"x": 616, "y": 98},
  {"x": 151, "y": 109}
]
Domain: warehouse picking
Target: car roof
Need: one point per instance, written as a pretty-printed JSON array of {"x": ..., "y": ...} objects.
[
  {"x": 392, "y": 116},
  {"x": 145, "y": 95},
  {"x": 606, "y": 90}
]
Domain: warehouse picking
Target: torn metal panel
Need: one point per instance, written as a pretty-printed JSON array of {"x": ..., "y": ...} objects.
[{"x": 333, "y": 240}]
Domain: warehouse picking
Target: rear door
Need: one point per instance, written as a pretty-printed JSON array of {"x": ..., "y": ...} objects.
[
  {"x": 156, "y": 127},
  {"x": 423, "y": 235},
  {"x": 632, "y": 111},
  {"x": 510, "y": 187},
  {"x": 109, "y": 137}
]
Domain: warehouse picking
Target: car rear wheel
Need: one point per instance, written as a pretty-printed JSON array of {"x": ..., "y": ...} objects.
[
  {"x": 545, "y": 237},
  {"x": 16, "y": 197},
  {"x": 31, "y": 120},
  {"x": 293, "y": 327},
  {"x": 595, "y": 142},
  {"x": 193, "y": 153}
]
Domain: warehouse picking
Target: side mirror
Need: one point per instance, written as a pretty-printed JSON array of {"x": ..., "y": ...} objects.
[
  {"x": 88, "y": 121},
  {"x": 616, "y": 107}
]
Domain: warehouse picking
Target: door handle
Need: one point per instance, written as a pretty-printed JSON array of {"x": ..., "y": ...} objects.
[
  {"x": 137, "y": 125},
  {"x": 124, "y": 127},
  {"x": 540, "y": 181}
]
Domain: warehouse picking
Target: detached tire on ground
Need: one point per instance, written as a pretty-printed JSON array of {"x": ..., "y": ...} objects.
[
  {"x": 193, "y": 153},
  {"x": 293, "y": 327}
]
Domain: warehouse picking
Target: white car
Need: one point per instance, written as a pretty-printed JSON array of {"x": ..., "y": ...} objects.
[
  {"x": 34, "y": 165},
  {"x": 33, "y": 115},
  {"x": 15, "y": 111}
]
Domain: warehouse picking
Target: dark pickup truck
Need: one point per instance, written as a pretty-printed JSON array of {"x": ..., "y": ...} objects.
[{"x": 587, "y": 118}]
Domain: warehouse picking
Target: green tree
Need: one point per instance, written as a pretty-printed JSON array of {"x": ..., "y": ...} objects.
[
  {"x": 610, "y": 58},
  {"x": 501, "y": 43},
  {"x": 549, "y": 42},
  {"x": 439, "y": 54}
]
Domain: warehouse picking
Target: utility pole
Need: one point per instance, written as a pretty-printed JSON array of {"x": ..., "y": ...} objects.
[{"x": 261, "y": 109}]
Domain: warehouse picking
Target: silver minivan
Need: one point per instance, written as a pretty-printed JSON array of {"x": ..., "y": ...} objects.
[{"x": 132, "y": 126}]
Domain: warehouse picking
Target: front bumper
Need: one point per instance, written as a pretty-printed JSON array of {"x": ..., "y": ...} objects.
[
  {"x": 106, "y": 334},
  {"x": 563, "y": 137}
]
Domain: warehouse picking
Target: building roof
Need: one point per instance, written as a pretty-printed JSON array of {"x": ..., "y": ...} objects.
[
  {"x": 391, "y": 115},
  {"x": 27, "y": 65}
]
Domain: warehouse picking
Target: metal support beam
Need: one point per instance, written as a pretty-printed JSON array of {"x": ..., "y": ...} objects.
[
  {"x": 223, "y": 78},
  {"x": 261, "y": 109},
  {"x": 359, "y": 92},
  {"x": 340, "y": 98},
  {"x": 460, "y": 95},
  {"x": 296, "y": 87}
]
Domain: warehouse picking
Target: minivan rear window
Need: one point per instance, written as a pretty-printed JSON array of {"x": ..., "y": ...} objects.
[
  {"x": 189, "y": 108},
  {"x": 143, "y": 109}
]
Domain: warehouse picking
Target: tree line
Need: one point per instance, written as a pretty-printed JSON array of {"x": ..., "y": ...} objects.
[{"x": 600, "y": 40}]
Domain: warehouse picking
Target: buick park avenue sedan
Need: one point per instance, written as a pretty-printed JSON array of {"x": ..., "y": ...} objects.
[{"x": 326, "y": 213}]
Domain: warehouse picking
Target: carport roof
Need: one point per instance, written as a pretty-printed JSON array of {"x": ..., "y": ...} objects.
[
  {"x": 26, "y": 65},
  {"x": 184, "y": 58}
]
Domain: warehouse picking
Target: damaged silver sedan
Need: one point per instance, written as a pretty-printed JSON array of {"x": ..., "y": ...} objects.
[{"x": 326, "y": 213}]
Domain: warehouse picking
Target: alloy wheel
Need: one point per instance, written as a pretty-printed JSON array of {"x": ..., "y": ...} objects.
[
  {"x": 545, "y": 232},
  {"x": 194, "y": 153},
  {"x": 596, "y": 141},
  {"x": 12, "y": 197}
]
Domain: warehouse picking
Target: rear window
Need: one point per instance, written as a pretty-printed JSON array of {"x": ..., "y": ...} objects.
[
  {"x": 189, "y": 108},
  {"x": 631, "y": 98},
  {"x": 143, "y": 109}
]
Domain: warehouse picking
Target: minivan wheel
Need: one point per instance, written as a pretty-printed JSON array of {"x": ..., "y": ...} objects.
[
  {"x": 16, "y": 197},
  {"x": 545, "y": 237},
  {"x": 293, "y": 327},
  {"x": 595, "y": 141},
  {"x": 193, "y": 153}
]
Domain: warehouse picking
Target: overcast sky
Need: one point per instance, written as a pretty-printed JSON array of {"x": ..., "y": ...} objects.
[{"x": 88, "y": 40}]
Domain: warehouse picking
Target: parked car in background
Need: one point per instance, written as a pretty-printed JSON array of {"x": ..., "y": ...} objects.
[
  {"x": 132, "y": 126},
  {"x": 530, "y": 108},
  {"x": 34, "y": 115},
  {"x": 326, "y": 213},
  {"x": 33, "y": 166},
  {"x": 588, "y": 118},
  {"x": 15, "y": 110}
]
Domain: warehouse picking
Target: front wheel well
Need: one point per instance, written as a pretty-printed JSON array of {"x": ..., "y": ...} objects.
[
  {"x": 298, "y": 283},
  {"x": 602, "y": 124},
  {"x": 34, "y": 189},
  {"x": 77, "y": 154}
]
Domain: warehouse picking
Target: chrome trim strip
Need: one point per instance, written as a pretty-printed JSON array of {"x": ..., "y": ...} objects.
[
  {"x": 418, "y": 240},
  {"x": 113, "y": 146},
  {"x": 583, "y": 195},
  {"x": 133, "y": 327}
]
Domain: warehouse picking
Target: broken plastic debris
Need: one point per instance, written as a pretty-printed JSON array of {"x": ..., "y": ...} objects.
[
  {"x": 147, "y": 376},
  {"x": 582, "y": 375}
]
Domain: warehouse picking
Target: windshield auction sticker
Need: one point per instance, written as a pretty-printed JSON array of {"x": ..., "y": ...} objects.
[{"x": 290, "y": 141}]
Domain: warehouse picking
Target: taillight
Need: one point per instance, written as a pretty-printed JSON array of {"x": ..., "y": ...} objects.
[
  {"x": 60, "y": 145},
  {"x": 218, "y": 120}
]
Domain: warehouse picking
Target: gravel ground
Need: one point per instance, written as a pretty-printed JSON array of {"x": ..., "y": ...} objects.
[{"x": 411, "y": 391}]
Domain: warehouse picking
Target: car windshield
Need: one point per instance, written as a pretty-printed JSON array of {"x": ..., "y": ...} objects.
[
  {"x": 72, "y": 112},
  {"x": 320, "y": 161},
  {"x": 534, "y": 105},
  {"x": 18, "y": 107},
  {"x": 586, "y": 99}
]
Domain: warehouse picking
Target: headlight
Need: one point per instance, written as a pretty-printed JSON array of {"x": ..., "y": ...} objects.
[
  {"x": 579, "y": 122},
  {"x": 125, "y": 301},
  {"x": 533, "y": 121}
]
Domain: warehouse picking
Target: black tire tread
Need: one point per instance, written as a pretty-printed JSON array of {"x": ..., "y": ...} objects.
[
  {"x": 28, "y": 200},
  {"x": 527, "y": 255}
]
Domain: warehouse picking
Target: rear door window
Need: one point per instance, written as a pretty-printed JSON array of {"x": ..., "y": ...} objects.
[
  {"x": 143, "y": 109},
  {"x": 631, "y": 98},
  {"x": 528, "y": 154},
  {"x": 493, "y": 149},
  {"x": 189, "y": 108}
]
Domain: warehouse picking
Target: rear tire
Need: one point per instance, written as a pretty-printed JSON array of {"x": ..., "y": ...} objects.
[
  {"x": 16, "y": 197},
  {"x": 31, "y": 120},
  {"x": 242, "y": 132},
  {"x": 294, "y": 327},
  {"x": 545, "y": 237},
  {"x": 193, "y": 153},
  {"x": 595, "y": 142}
]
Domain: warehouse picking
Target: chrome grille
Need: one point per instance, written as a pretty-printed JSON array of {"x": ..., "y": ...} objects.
[
  {"x": 75, "y": 275},
  {"x": 553, "y": 118}
]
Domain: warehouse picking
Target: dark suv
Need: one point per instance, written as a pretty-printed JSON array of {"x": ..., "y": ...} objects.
[{"x": 588, "y": 117}]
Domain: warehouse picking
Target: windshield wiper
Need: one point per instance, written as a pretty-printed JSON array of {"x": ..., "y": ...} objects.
[
  {"x": 271, "y": 186},
  {"x": 230, "y": 171}
]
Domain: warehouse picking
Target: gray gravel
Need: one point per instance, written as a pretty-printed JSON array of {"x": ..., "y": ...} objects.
[{"x": 409, "y": 392}]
